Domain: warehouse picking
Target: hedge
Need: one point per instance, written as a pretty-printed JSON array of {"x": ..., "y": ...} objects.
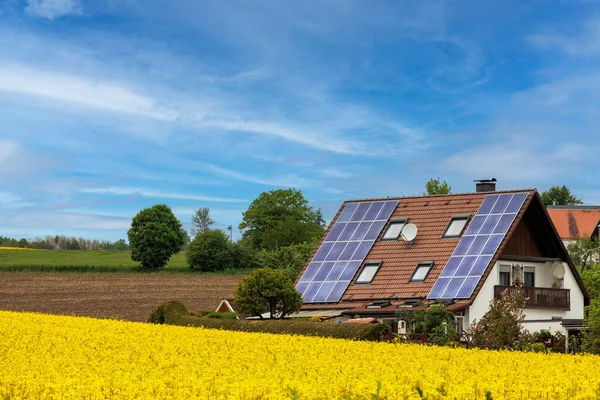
[{"x": 175, "y": 313}]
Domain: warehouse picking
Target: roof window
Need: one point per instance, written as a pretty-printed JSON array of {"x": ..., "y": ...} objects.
[
  {"x": 421, "y": 272},
  {"x": 456, "y": 226},
  {"x": 394, "y": 229},
  {"x": 368, "y": 272}
]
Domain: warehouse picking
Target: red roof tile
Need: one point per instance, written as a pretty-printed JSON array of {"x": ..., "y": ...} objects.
[
  {"x": 576, "y": 222},
  {"x": 431, "y": 214}
]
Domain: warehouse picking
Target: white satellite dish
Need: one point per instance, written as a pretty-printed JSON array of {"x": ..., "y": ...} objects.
[
  {"x": 409, "y": 232},
  {"x": 558, "y": 271}
]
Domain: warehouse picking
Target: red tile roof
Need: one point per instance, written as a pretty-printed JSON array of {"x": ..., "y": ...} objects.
[
  {"x": 431, "y": 214},
  {"x": 575, "y": 222}
]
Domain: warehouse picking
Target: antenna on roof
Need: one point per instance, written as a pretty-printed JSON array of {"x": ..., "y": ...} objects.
[{"x": 409, "y": 233}]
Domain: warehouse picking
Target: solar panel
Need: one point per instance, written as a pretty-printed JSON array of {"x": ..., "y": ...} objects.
[
  {"x": 344, "y": 249},
  {"x": 477, "y": 247}
]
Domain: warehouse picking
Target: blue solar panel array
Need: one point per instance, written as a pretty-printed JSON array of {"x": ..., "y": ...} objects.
[
  {"x": 344, "y": 249},
  {"x": 477, "y": 246}
]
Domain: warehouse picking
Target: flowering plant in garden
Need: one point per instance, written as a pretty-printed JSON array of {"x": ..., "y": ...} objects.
[
  {"x": 49, "y": 357},
  {"x": 501, "y": 327}
]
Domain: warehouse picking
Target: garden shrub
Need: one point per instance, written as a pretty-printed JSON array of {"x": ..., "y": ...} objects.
[{"x": 175, "y": 313}]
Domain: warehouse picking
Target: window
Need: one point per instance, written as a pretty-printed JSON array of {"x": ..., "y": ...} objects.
[
  {"x": 504, "y": 277},
  {"x": 394, "y": 228},
  {"x": 456, "y": 226},
  {"x": 368, "y": 272},
  {"x": 529, "y": 277},
  {"x": 421, "y": 271}
]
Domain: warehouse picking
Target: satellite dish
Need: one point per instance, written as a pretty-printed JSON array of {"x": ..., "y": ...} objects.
[
  {"x": 409, "y": 232},
  {"x": 558, "y": 271}
]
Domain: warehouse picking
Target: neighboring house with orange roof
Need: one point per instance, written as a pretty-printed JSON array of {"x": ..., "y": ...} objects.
[
  {"x": 575, "y": 221},
  {"x": 467, "y": 249}
]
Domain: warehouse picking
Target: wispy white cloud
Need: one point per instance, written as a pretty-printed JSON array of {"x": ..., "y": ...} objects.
[
  {"x": 80, "y": 91},
  {"x": 517, "y": 160},
  {"x": 281, "y": 181},
  {"x": 52, "y": 9},
  {"x": 157, "y": 194},
  {"x": 60, "y": 221},
  {"x": 584, "y": 44}
]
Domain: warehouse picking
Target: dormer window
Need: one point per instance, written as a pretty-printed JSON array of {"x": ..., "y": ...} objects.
[
  {"x": 368, "y": 272},
  {"x": 421, "y": 272},
  {"x": 456, "y": 226},
  {"x": 394, "y": 228}
]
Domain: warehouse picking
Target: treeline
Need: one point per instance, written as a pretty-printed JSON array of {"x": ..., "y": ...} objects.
[{"x": 60, "y": 242}]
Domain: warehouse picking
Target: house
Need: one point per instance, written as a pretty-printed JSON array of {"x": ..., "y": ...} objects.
[
  {"x": 575, "y": 221},
  {"x": 382, "y": 256}
]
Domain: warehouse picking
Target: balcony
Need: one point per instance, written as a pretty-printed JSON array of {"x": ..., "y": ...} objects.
[{"x": 556, "y": 299}]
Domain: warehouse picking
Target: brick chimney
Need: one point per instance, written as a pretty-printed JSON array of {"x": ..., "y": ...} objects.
[{"x": 485, "y": 185}]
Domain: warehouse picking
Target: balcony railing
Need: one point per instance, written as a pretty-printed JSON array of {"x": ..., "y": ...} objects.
[{"x": 556, "y": 299}]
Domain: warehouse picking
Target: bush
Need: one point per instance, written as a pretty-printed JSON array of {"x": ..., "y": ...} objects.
[
  {"x": 210, "y": 251},
  {"x": 266, "y": 289},
  {"x": 501, "y": 327},
  {"x": 175, "y": 313}
]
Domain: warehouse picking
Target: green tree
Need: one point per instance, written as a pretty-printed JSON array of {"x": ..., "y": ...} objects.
[
  {"x": 201, "y": 220},
  {"x": 559, "y": 195},
  {"x": 501, "y": 327},
  {"x": 210, "y": 251},
  {"x": 155, "y": 235},
  {"x": 279, "y": 218},
  {"x": 590, "y": 340},
  {"x": 435, "y": 186},
  {"x": 591, "y": 280},
  {"x": 583, "y": 250},
  {"x": 291, "y": 258},
  {"x": 267, "y": 289}
]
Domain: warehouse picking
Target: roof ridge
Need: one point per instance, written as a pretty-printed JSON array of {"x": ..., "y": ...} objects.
[{"x": 438, "y": 196}]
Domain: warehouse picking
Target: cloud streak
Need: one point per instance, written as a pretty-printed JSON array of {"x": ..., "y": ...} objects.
[
  {"x": 157, "y": 194},
  {"x": 52, "y": 9}
]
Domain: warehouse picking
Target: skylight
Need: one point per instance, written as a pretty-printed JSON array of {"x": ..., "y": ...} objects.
[
  {"x": 394, "y": 228},
  {"x": 368, "y": 273},
  {"x": 456, "y": 226},
  {"x": 421, "y": 271}
]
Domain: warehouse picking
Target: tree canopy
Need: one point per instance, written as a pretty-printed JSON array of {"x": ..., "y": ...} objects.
[
  {"x": 155, "y": 235},
  {"x": 267, "y": 289},
  {"x": 210, "y": 251},
  {"x": 559, "y": 196},
  {"x": 279, "y": 218},
  {"x": 435, "y": 186}
]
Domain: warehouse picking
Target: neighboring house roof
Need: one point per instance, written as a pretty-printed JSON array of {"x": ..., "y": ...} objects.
[
  {"x": 225, "y": 306},
  {"x": 432, "y": 215},
  {"x": 574, "y": 221}
]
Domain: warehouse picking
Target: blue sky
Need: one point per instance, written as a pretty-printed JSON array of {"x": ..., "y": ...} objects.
[{"x": 107, "y": 107}]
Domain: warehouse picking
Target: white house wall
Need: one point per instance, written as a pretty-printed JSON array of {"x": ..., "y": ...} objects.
[{"x": 535, "y": 319}]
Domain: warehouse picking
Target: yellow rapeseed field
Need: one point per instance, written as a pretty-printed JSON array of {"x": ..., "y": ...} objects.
[
  {"x": 15, "y": 248},
  {"x": 43, "y": 356}
]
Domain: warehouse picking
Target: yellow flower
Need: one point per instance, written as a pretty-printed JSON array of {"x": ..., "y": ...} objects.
[{"x": 47, "y": 357}]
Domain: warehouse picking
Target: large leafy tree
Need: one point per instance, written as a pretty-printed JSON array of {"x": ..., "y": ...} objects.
[
  {"x": 291, "y": 259},
  {"x": 267, "y": 289},
  {"x": 435, "y": 186},
  {"x": 559, "y": 196},
  {"x": 279, "y": 218},
  {"x": 155, "y": 235}
]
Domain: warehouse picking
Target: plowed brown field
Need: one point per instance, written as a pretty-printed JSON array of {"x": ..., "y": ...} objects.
[{"x": 111, "y": 295}]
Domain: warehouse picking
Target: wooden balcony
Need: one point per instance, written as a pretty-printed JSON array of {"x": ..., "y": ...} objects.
[{"x": 555, "y": 299}]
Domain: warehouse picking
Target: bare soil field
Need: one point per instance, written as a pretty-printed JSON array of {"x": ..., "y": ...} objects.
[{"x": 127, "y": 296}]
